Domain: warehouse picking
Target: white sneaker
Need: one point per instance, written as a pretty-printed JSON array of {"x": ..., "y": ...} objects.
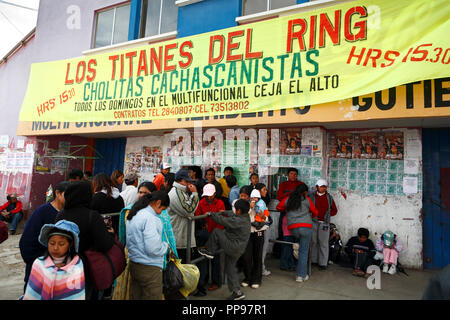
[
  {"x": 266, "y": 273},
  {"x": 244, "y": 284},
  {"x": 255, "y": 286},
  {"x": 392, "y": 270},
  {"x": 330, "y": 262},
  {"x": 300, "y": 279},
  {"x": 385, "y": 268}
]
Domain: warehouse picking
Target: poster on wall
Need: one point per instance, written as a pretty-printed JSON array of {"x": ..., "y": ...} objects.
[
  {"x": 341, "y": 145},
  {"x": 152, "y": 158},
  {"x": 366, "y": 145},
  {"x": 392, "y": 146},
  {"x": 131, "y": 162},
  {"x": 291, "y": 141}
]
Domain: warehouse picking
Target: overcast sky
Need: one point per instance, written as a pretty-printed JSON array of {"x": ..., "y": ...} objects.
[{"x": 15, "y": 22}]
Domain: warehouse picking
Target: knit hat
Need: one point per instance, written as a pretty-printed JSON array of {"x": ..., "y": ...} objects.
[
  {"x": 62, "y": 227},
  {"x": 388, "y": 238},
  {"x": 255, "y": 194}
]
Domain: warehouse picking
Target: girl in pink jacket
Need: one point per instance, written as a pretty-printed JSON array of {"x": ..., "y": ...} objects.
[{"x": 389, "y": 244}]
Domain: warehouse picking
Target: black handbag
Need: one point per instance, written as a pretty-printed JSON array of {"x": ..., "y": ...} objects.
[{"x": 172, "y": 277}]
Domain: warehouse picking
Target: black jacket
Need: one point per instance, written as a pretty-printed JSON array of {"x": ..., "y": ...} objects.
[
  {"x": 367, "y": 246},
  {"x": 103, "y": 204},
  {"x": 93, "y": 232}
]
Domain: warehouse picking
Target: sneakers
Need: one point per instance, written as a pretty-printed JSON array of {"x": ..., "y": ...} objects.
[
  {"x": 11, "y": 232},
  {"x": 236, "y": 296},
  {"x": 392, "y": 270},
  {"x": 255, "y": 286},
  {"x": 244, "y": 284},
  {"x": 266, "y": 273},
  {"x": 322, "y": 268},
  {"x": 385, "y": 268},
  {"x": 205, "y": 253},
  {"x": 300, "y": 279}
]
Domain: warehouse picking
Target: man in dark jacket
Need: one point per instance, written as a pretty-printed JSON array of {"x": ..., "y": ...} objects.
[
  {"x": 233, "y": 240},
  {"x": 93, "y": 231},
  {"x": 30, "y": 247},
  {"x": 361, "y": 251}
]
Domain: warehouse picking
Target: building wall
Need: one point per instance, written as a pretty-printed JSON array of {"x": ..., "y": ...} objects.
[{"x": 400, "y": 213}]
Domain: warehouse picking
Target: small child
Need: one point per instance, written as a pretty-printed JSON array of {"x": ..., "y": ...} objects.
[
  {"x": 390, "y": 246},
  {"x": 335, "y": 245},
  {"x": 361, "y": 251},
  {"x": 59, "y": 274},
  {"x": 233, "y": 240}
]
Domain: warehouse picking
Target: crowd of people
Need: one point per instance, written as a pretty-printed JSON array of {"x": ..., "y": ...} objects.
[{"x": 153, "y": 223}]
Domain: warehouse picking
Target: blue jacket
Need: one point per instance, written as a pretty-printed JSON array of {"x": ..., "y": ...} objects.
[
  {"x": 144, "y": 238},
  {"x": 234, "y": 194},
  {"x": 30, "y": 248}
]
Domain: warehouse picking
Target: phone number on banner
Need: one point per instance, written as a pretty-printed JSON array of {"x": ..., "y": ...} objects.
[{"x": 200, "y": 109}]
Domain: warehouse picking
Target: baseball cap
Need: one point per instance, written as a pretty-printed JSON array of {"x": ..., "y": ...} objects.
[
  {"x": 165, "y": 165},
  {"x": 322, "y": 182},
  {"x": 183, "y": 174},
  {"x": 209, "y": 190}
]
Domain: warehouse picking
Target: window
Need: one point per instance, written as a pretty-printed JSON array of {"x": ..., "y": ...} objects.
[
  {"x": 255, "y": 6},
  {"x": 112, "y": 26},
  {"x": 158, "y": 16}
]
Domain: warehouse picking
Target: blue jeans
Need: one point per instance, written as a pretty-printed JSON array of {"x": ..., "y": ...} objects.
[
  {"x": 287, "y": 258},
  {"x": 303, "y": 236},
  {"x": 14, "y": 219}
]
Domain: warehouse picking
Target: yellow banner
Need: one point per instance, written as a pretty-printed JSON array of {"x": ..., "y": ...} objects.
[{"x": 300, "y": 60}]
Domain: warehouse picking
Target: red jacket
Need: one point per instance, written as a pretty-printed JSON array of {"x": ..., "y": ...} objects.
[
  {"x": 204, "y": 206},
  {"x": 159, "y": 180},
  {"x": 16, "y": 210},
  {"x": 322, "y": 206},
  {"x": 285, "y": 188}
]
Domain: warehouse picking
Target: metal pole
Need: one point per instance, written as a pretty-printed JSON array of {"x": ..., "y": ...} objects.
[{"x": 188, "y": 244}]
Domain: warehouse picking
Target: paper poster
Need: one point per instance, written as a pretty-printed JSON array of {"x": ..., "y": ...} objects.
[
  {"x": 20, "y": 143},
  {"x": 291, "y": 141},
  {"x": 341, "y": 145},
  {"x": 366, "y": 145},
  {"x": 413, "y": 144},
  {"x": 410, "y": 185},
  {"x": 411, "y": 166},
  {"x": 29, "y": 148},
  {"x": 392, "y": 146},
  {"x": 4, "y": 140}
]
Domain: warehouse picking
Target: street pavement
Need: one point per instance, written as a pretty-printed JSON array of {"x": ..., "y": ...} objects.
[{"x": 335, "y": 283}]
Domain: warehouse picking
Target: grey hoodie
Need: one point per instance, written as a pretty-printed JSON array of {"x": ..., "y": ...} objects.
[{"x": 182, "y": 206}]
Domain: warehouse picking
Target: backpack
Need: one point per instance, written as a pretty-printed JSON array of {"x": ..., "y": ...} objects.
[
  {"x": 3, "y": 231},
  {"x": 104, "y": 268}
]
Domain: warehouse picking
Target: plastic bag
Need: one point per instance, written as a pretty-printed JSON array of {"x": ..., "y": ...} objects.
[
  {"x": 191, "y": 274},
  {"x": 172, "y": 278}
]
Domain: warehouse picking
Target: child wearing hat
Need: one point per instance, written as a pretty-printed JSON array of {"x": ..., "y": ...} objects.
[
  {"x": 252, "y": 257},
  {"x": 59, "y": 274},
  {"x": 390, "y": 246}
]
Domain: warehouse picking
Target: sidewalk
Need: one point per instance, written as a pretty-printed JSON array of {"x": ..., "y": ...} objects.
[{"x": 336, "y": 283}]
